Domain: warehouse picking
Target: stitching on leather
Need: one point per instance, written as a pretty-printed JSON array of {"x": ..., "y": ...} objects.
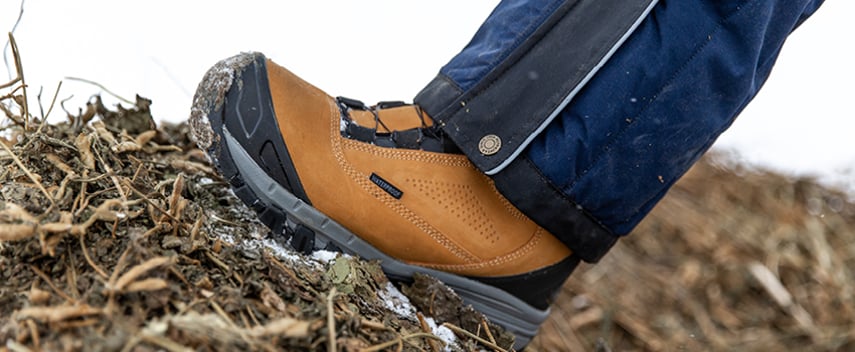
[
  {"x": 516, "y": 213},
  {"x": 465, "y": 208},
  {"x": 415, "y": 155},
  {"x": 519, "y": 253},
  {"x": 361, "y": 180}
]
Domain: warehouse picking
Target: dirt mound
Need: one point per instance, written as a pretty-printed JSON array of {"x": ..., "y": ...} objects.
[
  {"x": 117, "y": 235},
  {"x": 731, "y": 259}
]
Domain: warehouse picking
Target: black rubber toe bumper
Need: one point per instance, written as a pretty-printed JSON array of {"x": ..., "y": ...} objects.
[{"x": 247, "y": 113}]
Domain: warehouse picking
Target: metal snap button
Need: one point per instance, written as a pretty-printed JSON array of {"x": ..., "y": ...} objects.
[{"x": 490, "y": 144}]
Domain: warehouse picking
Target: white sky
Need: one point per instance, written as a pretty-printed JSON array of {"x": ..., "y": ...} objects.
[{"x": 373, "y": 50}]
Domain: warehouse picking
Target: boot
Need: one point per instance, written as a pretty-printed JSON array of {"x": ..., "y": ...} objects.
[{"x": 378, "y": 182}]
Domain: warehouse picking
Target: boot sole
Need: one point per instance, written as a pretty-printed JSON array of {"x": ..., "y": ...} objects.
[{"x": 306, "y": 229}]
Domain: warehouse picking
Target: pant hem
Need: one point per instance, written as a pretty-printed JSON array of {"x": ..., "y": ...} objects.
[{"x": 533, "y": 194}]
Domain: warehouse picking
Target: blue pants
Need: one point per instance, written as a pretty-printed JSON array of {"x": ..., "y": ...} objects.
[{"x": 585, "y": 113}]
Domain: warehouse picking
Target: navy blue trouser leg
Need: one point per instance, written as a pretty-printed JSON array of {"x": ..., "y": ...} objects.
[
  {"x": 605, "y": 147},
  {"x": 661, "y": 101}
]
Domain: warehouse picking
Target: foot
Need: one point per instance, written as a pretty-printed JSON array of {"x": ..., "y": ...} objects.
[{"x": 379, "y": 182}]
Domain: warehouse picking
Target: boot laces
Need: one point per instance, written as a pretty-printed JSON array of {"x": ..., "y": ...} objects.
[{"x": 398, "y": 139}]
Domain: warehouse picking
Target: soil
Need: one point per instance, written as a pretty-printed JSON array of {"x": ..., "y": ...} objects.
[{"x": 118, "y": 235}]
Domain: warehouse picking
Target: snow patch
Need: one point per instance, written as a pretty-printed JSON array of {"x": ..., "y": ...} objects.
[
  {"x": 324, "y": 257},
  {"x": 445, "y": 334},
  {"x": 281, "y": 251},
  {"x": 397, "y": 302},
  {"x": 253, "y": 244},
  {"x": 400, "y": 304}
]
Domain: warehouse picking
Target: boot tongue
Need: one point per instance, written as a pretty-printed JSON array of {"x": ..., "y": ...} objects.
[
  {"x": 403, "y": 117},
  {"x": 392, "y": 125},
  {"x": 387, "y": 117}
]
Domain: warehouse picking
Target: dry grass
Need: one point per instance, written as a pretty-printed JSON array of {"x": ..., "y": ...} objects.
[{"x": 731, "y": 259}]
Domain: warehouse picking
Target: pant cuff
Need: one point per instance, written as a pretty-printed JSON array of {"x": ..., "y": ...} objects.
[{"x": 533, "y": 194}]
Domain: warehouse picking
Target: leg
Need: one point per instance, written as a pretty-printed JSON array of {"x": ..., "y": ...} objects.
[
  {"x": 630, "y": 132},
  {"x": 700, "y": 64}
]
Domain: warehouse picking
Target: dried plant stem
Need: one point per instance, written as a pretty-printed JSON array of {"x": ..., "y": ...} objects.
[
  {"x": 373, "y": 325},
  {"x": 34, "y": 333},
  {"x": 18, "y": 69},
  {"x": 434, "y": 345},
  {"x": 120, "y": 265},
  {"x": 134, "y": 273},
  {"x": 222, "y": 313},
  {"x": 112, "y": 177},
  {"x": 28, "y": 173},
  {"x": 14, "y": 27},
  {"x": 400, "y": 340},
  {"x": 218, "y": 262},
  {"x": 487, "y": 331},
  {"x": 773, "y": 286},
  {"x": 99, "y": 85},
  {"x": 149, "y": 202},
  {"x": 10, "y": 83},
  {"x": 165, "y": 343},
  {"x": 53, "y": 287},
  {"x": 291, "y": 274},
  {"x": 71, "y": 275},
  {"x": 52, "y": 102},
  {"x": 255, "y": 321},
  {"x": 16, "y": 347},
  {"x": 468, "y": 334},
  {"x": 89, "y": 259},
  {"x": 331, "y": 320}
]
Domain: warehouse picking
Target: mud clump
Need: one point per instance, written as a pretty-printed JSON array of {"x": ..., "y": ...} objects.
[{"x": 211, "y": 94}]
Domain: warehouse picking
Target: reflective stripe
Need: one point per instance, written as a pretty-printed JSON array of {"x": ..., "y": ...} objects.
[{"x": 572, "y": 93}]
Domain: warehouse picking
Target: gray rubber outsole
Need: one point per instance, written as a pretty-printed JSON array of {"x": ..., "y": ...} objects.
[{"x": 499, "y": 306}]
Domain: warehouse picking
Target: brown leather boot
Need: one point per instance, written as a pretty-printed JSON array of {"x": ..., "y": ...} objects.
[{"x": 379, "y": 182}]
